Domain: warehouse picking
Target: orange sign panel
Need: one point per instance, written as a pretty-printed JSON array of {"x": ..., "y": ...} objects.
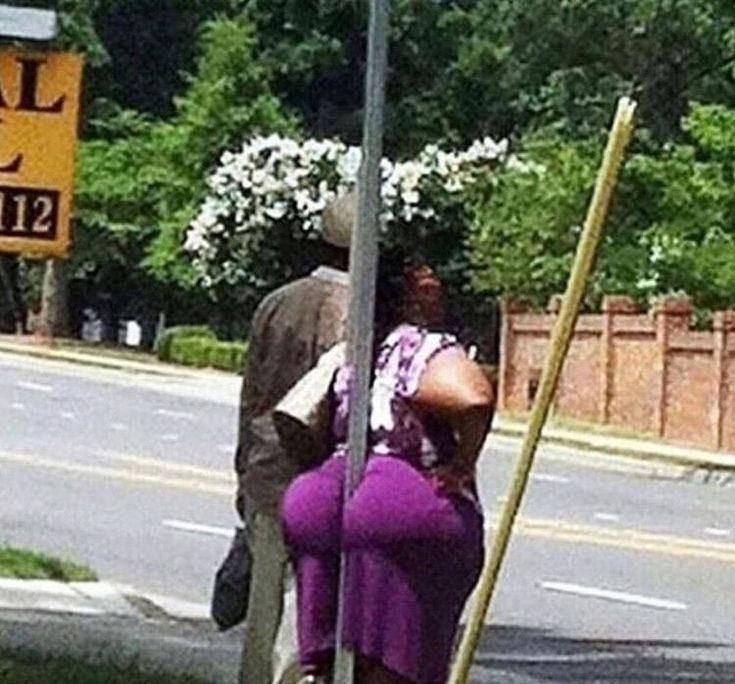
[{"x": 39, "y": 113}]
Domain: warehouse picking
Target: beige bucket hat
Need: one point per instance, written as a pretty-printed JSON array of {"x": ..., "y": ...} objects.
[{"x": 339, "y": 219}]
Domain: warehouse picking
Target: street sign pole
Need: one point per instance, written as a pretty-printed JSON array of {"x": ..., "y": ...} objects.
[{"x": 363, "y": 267}]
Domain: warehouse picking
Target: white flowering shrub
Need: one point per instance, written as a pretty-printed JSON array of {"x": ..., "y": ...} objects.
[{"x": 273, "y": 191}]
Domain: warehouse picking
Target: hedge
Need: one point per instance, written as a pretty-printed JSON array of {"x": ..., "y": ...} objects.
[
  {"x": 164, "y": 341},
  {"x": 227, "y": 355},
  {"x": 197, "y": 346}
]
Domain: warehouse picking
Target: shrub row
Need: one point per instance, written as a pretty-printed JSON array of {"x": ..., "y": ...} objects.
[
  {"x": 162, "y": 346},
  {"x": 197, "y": 346}
]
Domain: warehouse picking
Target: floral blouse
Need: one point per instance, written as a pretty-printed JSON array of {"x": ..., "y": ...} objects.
[{"x": 396, "y": 426}]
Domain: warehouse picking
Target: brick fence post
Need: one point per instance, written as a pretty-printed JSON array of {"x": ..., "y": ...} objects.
[
  {"x": 508, "y": 308},
  {"x": 724, "y": 324},
  {"x": 612, "y": 306},
  {"x": 671, "y": 313}
]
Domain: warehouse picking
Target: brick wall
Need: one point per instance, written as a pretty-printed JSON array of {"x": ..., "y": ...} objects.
[{"x": 648, "y": 372}]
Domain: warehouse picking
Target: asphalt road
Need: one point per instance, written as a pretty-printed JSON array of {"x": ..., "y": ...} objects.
[{"x": 613, "y": 575}]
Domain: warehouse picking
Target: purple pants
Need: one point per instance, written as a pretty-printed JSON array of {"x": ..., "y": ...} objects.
[{"x": 414, "y": 557}]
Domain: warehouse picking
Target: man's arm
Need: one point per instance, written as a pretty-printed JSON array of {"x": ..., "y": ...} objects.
[{"x": 251, "y": 395}]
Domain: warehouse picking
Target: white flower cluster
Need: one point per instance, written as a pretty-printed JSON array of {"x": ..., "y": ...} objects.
[{"x": 275, "y": 180}]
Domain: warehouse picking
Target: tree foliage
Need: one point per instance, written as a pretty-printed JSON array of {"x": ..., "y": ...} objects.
[
  {"x": 141, "y": 183},
  {"x": 671, "y": 229},
  {"x": 170, "y": 84}
]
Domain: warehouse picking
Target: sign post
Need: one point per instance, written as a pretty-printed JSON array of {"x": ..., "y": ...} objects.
[
  {"x": 363, "y": 266},
  {"x": 39, "y": 111}
]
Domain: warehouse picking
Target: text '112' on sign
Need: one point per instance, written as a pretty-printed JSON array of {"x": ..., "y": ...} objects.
[{"x": 39, "y": 112}]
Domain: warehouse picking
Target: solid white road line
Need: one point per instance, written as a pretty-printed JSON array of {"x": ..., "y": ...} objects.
[
  {"x": 179, "y": 415},
  {"x": 615, "y": 596},
  {"x": 717, "y": 531},
  {"x": 196, "y": 528},
  {"x": 544, "y": 477},
  {"x": 607, "y": 517},
  {"x": 34, "y": 387}
]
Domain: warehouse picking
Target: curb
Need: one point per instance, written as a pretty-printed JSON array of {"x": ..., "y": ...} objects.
[
  {"x": 86, "y": 360},
  {"x": 690, "y": 459},
  {"x": 94, "y": 599},
  {"x": 108, "y": 362}
]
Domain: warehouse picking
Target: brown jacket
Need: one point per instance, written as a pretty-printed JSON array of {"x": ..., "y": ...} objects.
[{"x": 292, "y": 327}]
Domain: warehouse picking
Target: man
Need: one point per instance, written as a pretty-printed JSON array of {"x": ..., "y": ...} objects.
[{"x": 292, "y": 327}]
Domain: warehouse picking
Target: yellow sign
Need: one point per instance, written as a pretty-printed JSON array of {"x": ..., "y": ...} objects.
[{"x": 39, "y": 113}]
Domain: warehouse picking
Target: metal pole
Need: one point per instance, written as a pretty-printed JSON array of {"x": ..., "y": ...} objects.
[
  {"x": 363, "y": 266},
  {"x": 586, "y": 252}
]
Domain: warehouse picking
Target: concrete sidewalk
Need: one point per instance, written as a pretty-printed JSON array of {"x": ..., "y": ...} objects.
[
  {"x": 691, "y": 458},
  {"x": 94, "y": 598},
  {"x": 98, "y": 621}
]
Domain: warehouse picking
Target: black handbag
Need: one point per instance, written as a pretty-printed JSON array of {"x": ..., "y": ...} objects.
[{"x": 232, "y": 584}]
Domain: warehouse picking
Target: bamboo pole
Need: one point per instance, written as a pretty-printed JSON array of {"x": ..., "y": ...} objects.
[
  {"x": 363, "y": 267},
  {"x": 618, "y": 140}
]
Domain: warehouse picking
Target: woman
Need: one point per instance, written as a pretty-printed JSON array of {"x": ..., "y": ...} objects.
[{"x": 413, "y": 528}]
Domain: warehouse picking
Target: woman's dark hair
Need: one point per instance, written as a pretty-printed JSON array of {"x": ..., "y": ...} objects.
[{"x": 391, "y": 287}]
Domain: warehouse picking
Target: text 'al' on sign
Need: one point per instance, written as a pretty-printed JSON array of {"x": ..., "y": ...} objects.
[{"x": 39, "y": 111}]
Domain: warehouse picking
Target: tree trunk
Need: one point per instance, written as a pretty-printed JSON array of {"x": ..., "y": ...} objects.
[
  {"x": 54, "y": 318},
  {"x": 9, "y": 277}
]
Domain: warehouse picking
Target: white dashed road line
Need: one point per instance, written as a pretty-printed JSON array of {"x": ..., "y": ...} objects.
[
  {"x": 226, "y": 448},
  {"x": 68, "y": 415},
  {"x": 179, "y": 415},
  {"x": 614, "y": 596},
  {"x": 18, "y": 406},
  {"x": 34, "y": 387},
  {"x": 170, "y": 437},
  {"x": 196, "y": 528},
  {"x": 717, "y": 532},
  {"x": 118, "y": 427},
  {"x": 607, "y": 517},
  {"x": 544, "y": 477}
]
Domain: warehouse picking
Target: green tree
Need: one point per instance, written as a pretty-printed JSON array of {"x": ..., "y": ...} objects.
[
  {"x": 152, "y": 45},
  {"x": 671, "y": 228},
  {"x": 527, "y": 224},
  {"x": 141, "y": 184},
  {"x": 317, "y": 51},
  {"x": 537, "y": 63}
]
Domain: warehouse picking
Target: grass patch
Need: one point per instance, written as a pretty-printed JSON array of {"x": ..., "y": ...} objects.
[
  {"x": 24, "y": 564},
  {"x": 20, "y": 667}
]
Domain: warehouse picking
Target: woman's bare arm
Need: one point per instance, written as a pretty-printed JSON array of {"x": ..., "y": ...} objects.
[{"x": 455, "y": 388}]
